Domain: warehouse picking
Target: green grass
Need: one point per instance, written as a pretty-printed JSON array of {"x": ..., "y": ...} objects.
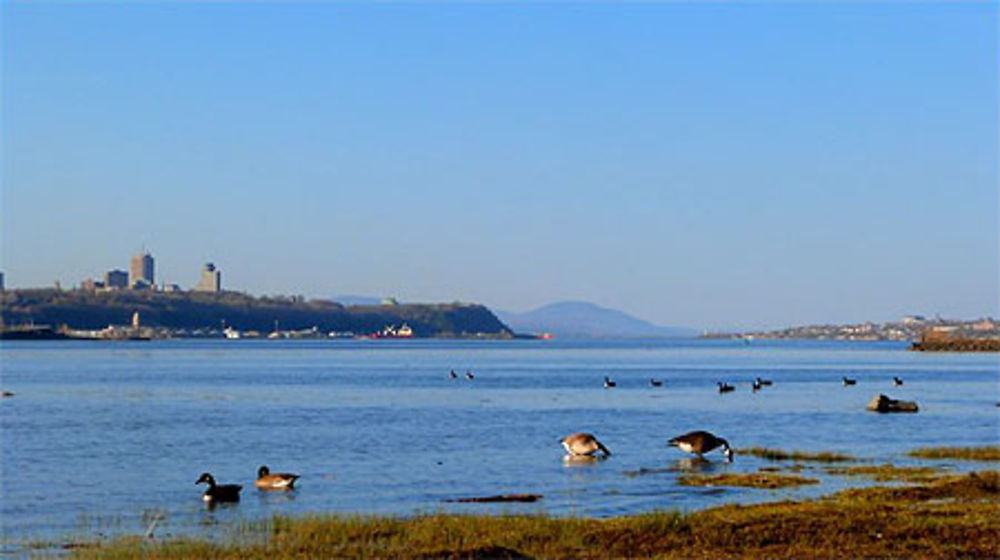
[
  {"x": 956, "y": 516},
  {"x": 984, "y": 453},
  {"x": 768, "y": 480},
  {"x": 781, "y": 455}
]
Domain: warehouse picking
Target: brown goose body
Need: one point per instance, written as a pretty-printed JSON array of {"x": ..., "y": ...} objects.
[
  {"x": 583, "y": 444},
  {"x": 700, "y": 442},
  {"x": 266, "y": 480}
]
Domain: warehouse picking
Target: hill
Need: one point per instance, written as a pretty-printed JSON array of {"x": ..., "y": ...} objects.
[
  {"x": 79, "y": 309},
  {"x": 580, "y": 319}
]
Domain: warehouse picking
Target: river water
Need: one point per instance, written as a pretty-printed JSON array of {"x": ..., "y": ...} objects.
[{"x": 103, "y": 438}]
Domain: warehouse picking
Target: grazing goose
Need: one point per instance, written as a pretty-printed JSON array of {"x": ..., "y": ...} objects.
[
  {"x": 583, "y": 444},
  {"x": 897, "y": 381},
  {"x": 849, "y": 381},
  {"x": 469, "y": 376},
  {"x": 655, "y": 383},
  {"x": 725, "y": 387},
  {"x": 608, "y": 383},
  {"x": 266, "y": 480},
  {"x": 700, "y": 442},
  {"x": 764, "y": 382},
  {"x": 219, "y": 492}
]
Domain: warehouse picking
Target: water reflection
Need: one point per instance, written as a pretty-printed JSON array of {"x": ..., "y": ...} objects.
[{"x": 582, "y": 460}]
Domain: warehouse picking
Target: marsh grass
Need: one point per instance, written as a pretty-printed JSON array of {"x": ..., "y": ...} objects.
[
  {"x": 956, "y": 516},
  {"x": 768, "y": 480},
  {"x": 781, "y": 455},
  {"x": 887, "y": 472},
  {"x": 984, "y": 453}
]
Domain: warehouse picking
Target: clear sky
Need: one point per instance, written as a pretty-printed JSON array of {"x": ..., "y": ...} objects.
[{"x": 708, "y": 165}]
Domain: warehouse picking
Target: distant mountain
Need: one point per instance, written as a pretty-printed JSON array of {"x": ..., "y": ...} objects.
[{"x": 580, "y": 319}]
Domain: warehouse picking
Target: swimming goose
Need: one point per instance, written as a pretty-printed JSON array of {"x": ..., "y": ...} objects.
[
  {"x": 453, "y": 375},
  {"x": 469, "y": 376},
  {"x": 764, "y": 382},
  {"x": 655, "y": 383},
  {"x": 849, "y": 381},
  {"x": 699, "y": 442},
  {"x": 897, "y": 381},
  {"x": 725, "y": 387},
  {"x": 608, "y": 383},
  {"x": 219, "y": 492},
  {"x": 266, "y": 480},
  {"x": 583, "y": 444},
  {"x": 756, "y": 385}
]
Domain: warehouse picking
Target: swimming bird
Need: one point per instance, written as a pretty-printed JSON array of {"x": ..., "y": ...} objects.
[
  {"x": 897, "y": 381},
  {"x": 609, "y": 383},
  {"x": 699, "y": 442},
  {"x": 219, "y": 492},
  {"x": 725, "y": 387},
  {"x": 453, "y": 375},
  {"x": 849, "y": 381},
  {"x": 266, "y": 480},
  {"x": 756, "y": 385},
  {"x": 764, "y": 382},
  {"x": 655, "y": 383},
  {"x": 583, "y": 444},
  {"x": 469, "y": 376}
]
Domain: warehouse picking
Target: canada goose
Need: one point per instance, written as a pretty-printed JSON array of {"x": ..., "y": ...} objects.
[
  {"x": 608, "y": 383},
  {"x": 266, "y": 480},
  {"x": 897, "y": 381},
  {"x": 219, "y": 492},
  {"x": 655, "y": 383},
  {"x": 453, "y": 375},
  {"x": 725, "y": 387},
  {"x": 764, "y": 382},
  {"x": 849, "y": 381},
  {"x": 583, "y": 444},
  {"x": 756, "y": 385},
  {"x": 699, "y": 442},
  {"x": 469, "y": 376}
]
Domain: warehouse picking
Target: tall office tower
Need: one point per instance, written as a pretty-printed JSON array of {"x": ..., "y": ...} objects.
[
  {"x": 211, "y": 279},
  {"x": 140, "y": 271}
]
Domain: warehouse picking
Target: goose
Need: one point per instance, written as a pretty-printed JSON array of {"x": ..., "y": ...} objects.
[
  {"x": 219, "y": 492},
  {"x": 725, "y": 387},
  {"x": 756, "y": 385},
  {"x": 583, "y": 444},
  {"x": 699, "y": 442},
  {"x": 609, "y": 383},
  {"x": 849, "y": 381},
  {"x": 655, "y": 383},
  {"x": 469, "y": 376},
  {"x": 897, "y": 381},
  {"x": 266, "y": 480},
  {"x": 764, "y": 382},
  {"x": 453, "y": 375}
]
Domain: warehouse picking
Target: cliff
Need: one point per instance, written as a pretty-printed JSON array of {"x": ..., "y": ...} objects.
[{"x": 80, "y": 309}]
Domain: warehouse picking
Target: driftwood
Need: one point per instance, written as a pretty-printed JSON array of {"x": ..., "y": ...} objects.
[
  {"x": 882, "y": 403},
  {"x": 500, "y": 498}
]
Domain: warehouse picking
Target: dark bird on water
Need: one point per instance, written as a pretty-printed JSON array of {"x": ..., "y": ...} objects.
[
  {"x": 655, "y": 383},
  {"x": 469, "y": 376},
  {"x": 897, "y": 381},
  {"x": 699, "y": 442},
  {"x": 608, "y": 383},
  {"x": 219, "y": 492},
  {"x": 725, "y": 387},
  {"x": 849, "y": 381},
  {"x": 453, "y": 375},
  {"x": 764, "y": 382},
  {"x": 266, "y": 480}
]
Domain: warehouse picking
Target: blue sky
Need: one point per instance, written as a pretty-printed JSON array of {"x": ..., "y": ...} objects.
[{"x": 708, "y": 165}]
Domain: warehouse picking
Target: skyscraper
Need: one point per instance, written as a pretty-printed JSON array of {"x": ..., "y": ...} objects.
[
  {"x": 211, "y": 279},
  {"x": 140, "y": 270}
]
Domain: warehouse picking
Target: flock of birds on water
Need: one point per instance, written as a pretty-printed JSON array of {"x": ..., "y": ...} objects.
[{"x": 577, "y": 445}]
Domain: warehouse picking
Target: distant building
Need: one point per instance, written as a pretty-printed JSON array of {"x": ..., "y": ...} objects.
[
  {"x": 211, "y": 279},
  {"x": 140, "y": 271},
  {"x": 91, "y": 285},
  {"x": 116, "y": 279},
  {"x": 1, "y": 281}
]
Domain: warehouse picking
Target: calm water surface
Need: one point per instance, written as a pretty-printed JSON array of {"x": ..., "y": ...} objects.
[{"x": 102, "y": 438}]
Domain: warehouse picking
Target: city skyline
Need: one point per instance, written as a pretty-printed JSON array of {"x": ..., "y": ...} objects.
[{"x": 716, "y": 166}]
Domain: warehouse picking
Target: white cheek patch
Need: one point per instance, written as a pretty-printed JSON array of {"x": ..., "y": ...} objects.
[{"x": 685, "y": 447}]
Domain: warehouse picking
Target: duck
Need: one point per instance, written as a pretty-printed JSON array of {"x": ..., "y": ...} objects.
[
  {"x": 699, "y": 442},
  {"x": 609, "y": 383},
  {"x": 266, "y": 480},
  {"x": 725, "y": 387},
  {"x": 849, "y": 381},
  {"x": 655, "y": 383},
  {"x": 897, "y": 381},
  {"x": 582, "y": 443},
  {"x": 219, "y": 492}
]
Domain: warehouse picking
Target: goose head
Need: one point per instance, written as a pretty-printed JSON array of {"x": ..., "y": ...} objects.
[{"x": 207, "y": 479}]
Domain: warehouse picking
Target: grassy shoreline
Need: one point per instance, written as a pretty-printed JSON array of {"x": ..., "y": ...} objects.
[{"x": 952, "y": 516}]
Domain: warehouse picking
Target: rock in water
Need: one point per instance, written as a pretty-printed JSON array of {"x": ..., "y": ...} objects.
[{"x": 882, "y": 403}]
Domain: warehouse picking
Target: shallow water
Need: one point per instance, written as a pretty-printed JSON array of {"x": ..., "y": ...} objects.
[{"x": 102, "y": 438}]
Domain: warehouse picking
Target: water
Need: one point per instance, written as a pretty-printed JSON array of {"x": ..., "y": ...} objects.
[{"x": 102, "y": 438}]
